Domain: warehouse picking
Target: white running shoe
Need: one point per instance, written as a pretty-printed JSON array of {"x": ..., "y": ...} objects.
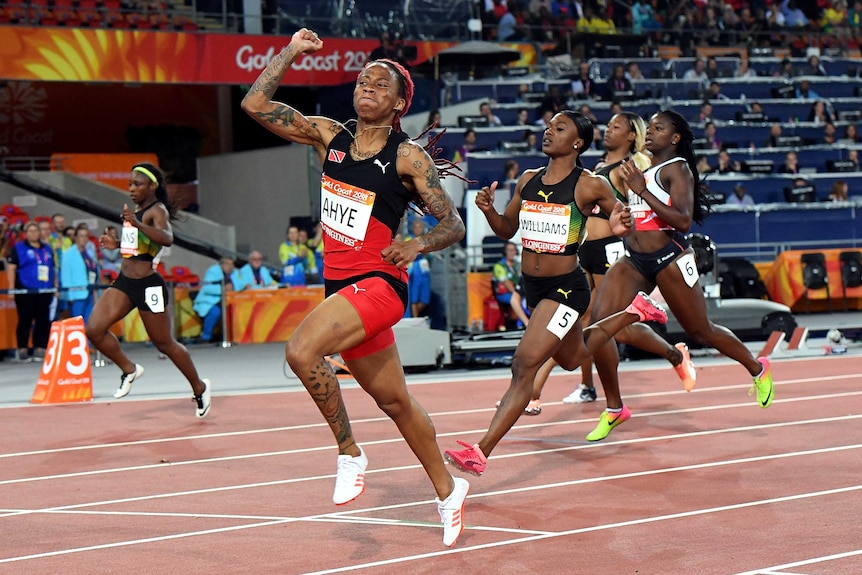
[
  {"x": 349, "y": 478},
  {"x": 452, "y": 511},
  {"x": 203, "y": 402},
  {"x": 582, "y": 394},
  {"x": 126, "y": 381}
]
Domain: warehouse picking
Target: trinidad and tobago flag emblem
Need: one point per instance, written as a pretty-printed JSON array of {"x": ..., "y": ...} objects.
[{"x": 336, "y": 156}]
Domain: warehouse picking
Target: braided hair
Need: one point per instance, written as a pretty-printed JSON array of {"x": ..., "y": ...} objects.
[{"x": 684, "y": 148}]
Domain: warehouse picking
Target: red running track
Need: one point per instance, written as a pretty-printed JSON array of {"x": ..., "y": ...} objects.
[{"x": 699, "y": 483}]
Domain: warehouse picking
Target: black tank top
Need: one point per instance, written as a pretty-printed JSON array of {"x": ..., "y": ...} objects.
[
  {"x": 362, "y": 203},
  {"x": 550, "y": 220}
]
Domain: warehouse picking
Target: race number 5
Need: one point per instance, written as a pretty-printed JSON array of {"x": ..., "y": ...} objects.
[
  {"x": 562, "y": 321},
  {"x": 76, "y": 356}
]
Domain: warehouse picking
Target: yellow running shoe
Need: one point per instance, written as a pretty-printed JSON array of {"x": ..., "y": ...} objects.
[
  {"x": 607, "y": 422},
  {"x": 763, "y": 384}
]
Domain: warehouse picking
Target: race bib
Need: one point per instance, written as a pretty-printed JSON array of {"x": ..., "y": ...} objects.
[
  {"x": 614, "y": 251},
  {"x": 688, "y": 267},
  {"x": 155, "y": 299},
  {"x": 562, "y": 321},
  {"x": 544, "y": 227},
  {"x": 129, "y": 240},
  {"x": 345, "y": 211}
]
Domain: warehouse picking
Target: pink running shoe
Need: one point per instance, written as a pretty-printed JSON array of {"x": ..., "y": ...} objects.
[
  {"x": 685, "y": 370},
  {"x": 647, "y": 309},
  {"x": 469, "y": 460}
]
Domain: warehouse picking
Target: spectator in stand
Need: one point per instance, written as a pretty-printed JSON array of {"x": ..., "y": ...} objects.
[
  {"x": 705, "y": 114},
  {"x": 511, "y": 171},
  {"x": 643, "y": 18},
  {"x": 853, "y": 156},
  {"x": 434, "y": 118},
  {"x": 390, "y": 48},
  {"x": 315, "y": 244},
  {"x": 582, "y": 85},
  {"x": 710, "y": 133},
  {"x": 712, "y": 69},
  {"x": 467, "y": 146},
  {"x": 726, "y": 164},
  {"x": 703, "y": 166},
  {"x": 255, "y": 275},
  {"x": 633, "y": 73},
  {"x": 30, "y": 266},
  {"x": 775, "y": 16},
  {"x": 756, "y": 108},
  {"x": 854, "y": 20},
  {"x": 618, "y": 85},
  {"x": 739, "y": 197},
  {"x": 532, "y": 139},
  {"x": 785, "y": 70},
  {"x": 485, "y": 112},
  {"x": 110, "y": 260},
  {"x": 295, "y": 257},
  {"x": 851, "y": 135},
  {"x": 815, "y": 68},
  {"x": 545, "y": 119},
  {"x": 594, "y": 23},
  {"x": 7, "y": 239},
  {"x": 804, "y": 91},
  {"x": 820, "y": 113},
  {"x": 794, "y": 17},
  {"x": 697, "y": 72},
  {"x": 507, "y": 27},
  {"x": 616, "y": 108},
  {"x": 588, "y": 112},
  {"x": 506, "y": 284},
  {"x": 774, "y": 135},
  {"x": 418, "y": 276},
  {"x": 790, "y": 165},
  {"x": 554, "y": 99},
  {"x": 834, "y": 20},
  {"x": 208, "y": 303},
  {"x": 311, "y": 270},
  {"x": 748, "y": 27},
  {"x": 839, "y": 192},
  {"x": 523, "y": 117},
  {"x": 714, "y": 92},
  {"x": 744, "y": 71},
  {"x": 829, "y": 136},
  {"x": 78, "y": 275}
]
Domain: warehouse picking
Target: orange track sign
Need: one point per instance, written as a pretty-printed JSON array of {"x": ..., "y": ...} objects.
[{"x": 66, "y": 374}]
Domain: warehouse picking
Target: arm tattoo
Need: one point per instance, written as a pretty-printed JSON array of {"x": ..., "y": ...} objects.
[{"x": 269, "y": 80}]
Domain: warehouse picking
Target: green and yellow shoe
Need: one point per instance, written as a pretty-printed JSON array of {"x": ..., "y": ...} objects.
[
  {"x": 763, "y": 384},
  {"x": 607, "y": 422}
]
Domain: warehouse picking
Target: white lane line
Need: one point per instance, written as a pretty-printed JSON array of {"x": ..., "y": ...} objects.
[
  {"x": 536, "y": 537},
  {"x": 579, "y": 445},
  {"x": 679, "y": 392},
  {"x": 803, "y": 563},
  {"x": 526, "y": 489}
]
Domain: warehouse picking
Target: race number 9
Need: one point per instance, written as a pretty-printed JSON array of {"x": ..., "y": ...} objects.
[
  {"x": 155, "y": 299},
  {"x": 77, "y": 357}
]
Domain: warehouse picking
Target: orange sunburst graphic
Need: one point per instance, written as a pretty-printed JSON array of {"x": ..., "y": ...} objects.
[{"x": 93, "y": 55}]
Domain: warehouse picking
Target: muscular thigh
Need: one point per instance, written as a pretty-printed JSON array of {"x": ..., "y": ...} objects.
[
  {"x": 551, "y": 323},
  {"x": 680, "y": 288}
]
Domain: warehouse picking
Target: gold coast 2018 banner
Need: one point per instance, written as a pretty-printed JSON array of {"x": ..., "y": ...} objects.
[{"x": 138, "y": 56}]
